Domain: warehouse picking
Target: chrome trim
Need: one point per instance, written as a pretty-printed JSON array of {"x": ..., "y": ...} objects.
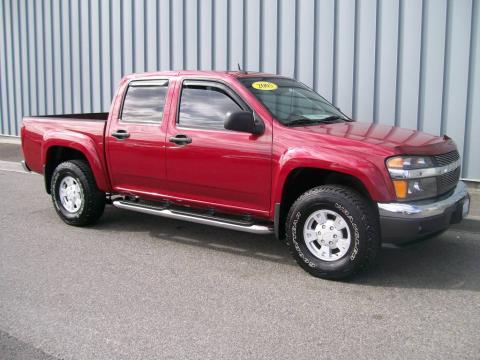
[
  {"x": 24, "y": 166},
  {"x": 424, "y": 208},
  {"x": 254, "y": 229},
  {"x": 423, "y": 173}
]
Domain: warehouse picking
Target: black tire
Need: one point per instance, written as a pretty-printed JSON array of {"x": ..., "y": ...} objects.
[
  {"x": 93, "y": 200},
  {"x": 361, "y": 218}
]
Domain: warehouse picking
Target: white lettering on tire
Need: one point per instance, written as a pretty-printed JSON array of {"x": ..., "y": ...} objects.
[
  {"x": 295, "y": 242},
  {"x": 355, "y": 229}
]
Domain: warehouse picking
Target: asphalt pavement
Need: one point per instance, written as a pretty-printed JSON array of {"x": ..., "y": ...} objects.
[
  {"x": 136, "y": 286},
  {"x": 10, "y": 152}
]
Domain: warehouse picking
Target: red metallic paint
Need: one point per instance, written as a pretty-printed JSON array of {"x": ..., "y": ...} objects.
[
  {"x": 231, "y": 171},
  {"x": 41, "y": 134},
  {"x": 136, "y": 164},
  {"x": 220, "y": 167}
]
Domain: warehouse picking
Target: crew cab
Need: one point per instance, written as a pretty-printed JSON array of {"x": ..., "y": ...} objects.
[{"x": 252, "y": 152}]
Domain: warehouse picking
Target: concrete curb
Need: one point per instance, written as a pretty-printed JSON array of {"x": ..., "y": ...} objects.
[{"x": 10, "y": 139}]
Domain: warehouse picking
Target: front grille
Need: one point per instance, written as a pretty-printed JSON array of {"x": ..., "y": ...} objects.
[
  {"x": 445, "y": 159},
  {"x": 448, "y": 181}
]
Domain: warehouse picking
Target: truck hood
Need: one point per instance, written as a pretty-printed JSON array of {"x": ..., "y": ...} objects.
[{"x": 391, "y": 138}]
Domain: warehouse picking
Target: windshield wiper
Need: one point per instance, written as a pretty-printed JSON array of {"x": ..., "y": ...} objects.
[
  {"x": 300, "y": 120},
  {"x": 334, "y": 117}
]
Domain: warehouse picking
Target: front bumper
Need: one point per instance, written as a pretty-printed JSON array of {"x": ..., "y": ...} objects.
[{"x": 404, "y": 222}]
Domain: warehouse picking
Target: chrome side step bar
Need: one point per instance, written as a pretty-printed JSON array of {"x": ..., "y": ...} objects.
[{"x": 199, "y": 219}]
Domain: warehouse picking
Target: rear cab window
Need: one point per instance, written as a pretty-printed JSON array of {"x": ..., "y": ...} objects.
[{"x": 144, "y": 101}]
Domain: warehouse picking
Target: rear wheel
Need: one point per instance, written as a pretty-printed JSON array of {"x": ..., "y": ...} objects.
[
  {"x": 75, "y": 195},
  {"x": 333, "y": 232}
]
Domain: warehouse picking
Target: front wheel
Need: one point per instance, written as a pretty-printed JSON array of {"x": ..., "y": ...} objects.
[
  {"x": 333, "y": 232},
  {"x": 75, "y": 195}
]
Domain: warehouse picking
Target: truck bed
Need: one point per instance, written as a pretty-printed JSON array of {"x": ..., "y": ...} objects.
[{"x": 37, "y": 130}]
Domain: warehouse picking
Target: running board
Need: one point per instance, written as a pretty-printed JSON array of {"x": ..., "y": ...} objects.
[{"x": 196, "y": 218}]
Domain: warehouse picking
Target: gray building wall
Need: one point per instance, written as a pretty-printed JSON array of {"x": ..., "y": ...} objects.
[{"x": 410, "y": 63}]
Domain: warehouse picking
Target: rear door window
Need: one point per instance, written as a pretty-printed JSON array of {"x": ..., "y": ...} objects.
[{"x": 144, "y": 101}]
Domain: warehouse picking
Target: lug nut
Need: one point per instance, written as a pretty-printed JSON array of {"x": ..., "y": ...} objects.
[{"x": 331, "y": 227}]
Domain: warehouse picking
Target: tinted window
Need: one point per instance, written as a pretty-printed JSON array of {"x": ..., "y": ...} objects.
[
  {"x": 205, "y": 107},
  {"x": 144, "y": 103}
]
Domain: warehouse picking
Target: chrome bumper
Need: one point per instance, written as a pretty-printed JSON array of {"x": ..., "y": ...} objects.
[
  {"x": 403, "y": 222},
  {"x": 425, "y": 208}
]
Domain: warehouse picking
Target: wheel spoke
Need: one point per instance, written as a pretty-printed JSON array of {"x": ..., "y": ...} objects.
[
  {"x": 326, "y": 251},
  {"x": 320, "y": 217},
  {"x": 310, "y": 235},
  {"x": 343, "y": 244},
  {"x": 340, "y": 223}
]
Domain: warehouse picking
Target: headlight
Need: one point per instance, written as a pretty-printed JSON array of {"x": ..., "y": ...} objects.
[
  {"x": 415, "y": 189},
  {"x": 412, "y": 177},
  {"x": 399, "y": 163}
]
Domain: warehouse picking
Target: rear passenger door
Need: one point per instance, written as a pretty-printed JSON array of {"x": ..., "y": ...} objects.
[
  {"x": 135, "y": 142},
  {"x": 213, "y": 165}
]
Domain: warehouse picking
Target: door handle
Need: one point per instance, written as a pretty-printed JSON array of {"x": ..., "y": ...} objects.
[
  {"x": 180, "y": 139},
  {"x": 121, "y": 134}
]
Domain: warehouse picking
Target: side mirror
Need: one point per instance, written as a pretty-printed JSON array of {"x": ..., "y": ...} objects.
[{"x": 244, "y": 121}]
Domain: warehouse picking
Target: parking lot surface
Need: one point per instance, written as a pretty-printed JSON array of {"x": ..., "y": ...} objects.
[{"x": 141, "y": 287}]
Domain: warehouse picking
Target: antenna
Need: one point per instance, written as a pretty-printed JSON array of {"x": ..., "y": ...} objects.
[{"x": 240, "y": 68}]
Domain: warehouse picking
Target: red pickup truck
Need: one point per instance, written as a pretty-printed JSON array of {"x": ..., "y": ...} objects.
[{"x": 253, "y": 152}]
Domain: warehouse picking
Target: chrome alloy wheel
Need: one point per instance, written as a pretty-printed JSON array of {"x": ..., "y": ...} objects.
[
  {"x": 70, "y": 194},
  {"x": 327, "y": 235}
]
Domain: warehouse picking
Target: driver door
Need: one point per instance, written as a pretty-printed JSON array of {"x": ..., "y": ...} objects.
[{"x": 214, "y": 165}]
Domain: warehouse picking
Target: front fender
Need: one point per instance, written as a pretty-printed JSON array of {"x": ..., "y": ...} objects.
[
  {"x": 79, "y": 142},
  {"x": 365, "y": 170}
]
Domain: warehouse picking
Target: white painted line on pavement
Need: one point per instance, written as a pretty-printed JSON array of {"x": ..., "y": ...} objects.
[{"x": 13, "y": 166}]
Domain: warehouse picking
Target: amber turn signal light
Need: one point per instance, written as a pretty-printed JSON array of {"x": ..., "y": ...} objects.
[{"x": 401, "y": 187}]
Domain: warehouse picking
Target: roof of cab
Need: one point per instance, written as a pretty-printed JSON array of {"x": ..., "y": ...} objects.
[{"x": 206, "y": 73}]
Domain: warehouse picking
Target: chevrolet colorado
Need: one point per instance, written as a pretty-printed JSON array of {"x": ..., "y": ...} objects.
[{"x": 252, "y": 152}]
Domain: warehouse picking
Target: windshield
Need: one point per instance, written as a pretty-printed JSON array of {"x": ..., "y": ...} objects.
[{"x": 291, "y": 102}]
